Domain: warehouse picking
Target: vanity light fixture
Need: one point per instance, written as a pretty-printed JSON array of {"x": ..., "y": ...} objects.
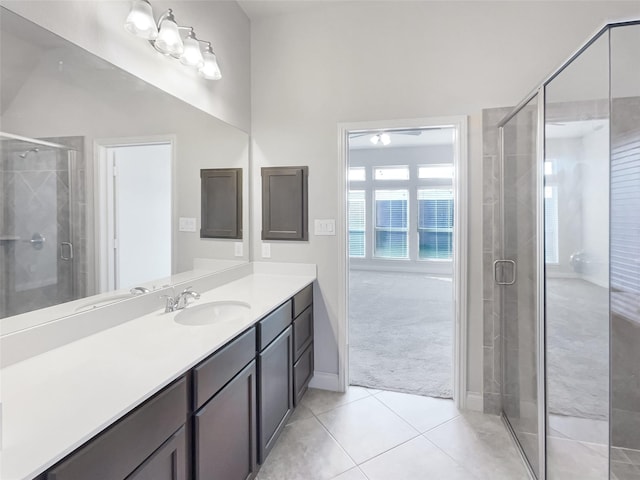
[{"x": 166, "y": 38}]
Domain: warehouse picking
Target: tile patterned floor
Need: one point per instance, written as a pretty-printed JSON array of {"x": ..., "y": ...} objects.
[{"x": 374, "y": 435}]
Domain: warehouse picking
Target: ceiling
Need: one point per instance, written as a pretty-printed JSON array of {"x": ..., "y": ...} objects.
[{"x": 256, "y": 9}]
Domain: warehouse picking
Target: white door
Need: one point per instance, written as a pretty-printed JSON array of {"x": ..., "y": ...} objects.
[{"x": 141, "y": 217}]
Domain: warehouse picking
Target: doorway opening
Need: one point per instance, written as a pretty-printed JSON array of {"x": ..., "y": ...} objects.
[
  {"x": 135, "y": 212},
  {"x": 404, "y": 231}
]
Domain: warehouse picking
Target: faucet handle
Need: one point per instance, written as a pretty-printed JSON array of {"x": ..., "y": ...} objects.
[{"x": 170, "y": 306}]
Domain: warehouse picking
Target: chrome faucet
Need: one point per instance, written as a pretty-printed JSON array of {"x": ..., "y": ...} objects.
[
  {"x": 178, "y": 302},
  {"x": 183, "y": 298},
  {"x": 138, "y": 290}
]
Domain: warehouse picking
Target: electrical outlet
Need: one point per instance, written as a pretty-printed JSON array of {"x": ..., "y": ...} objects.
[
  {"x": 266, "y": 250},
  {"x": 238, "y": 249}
]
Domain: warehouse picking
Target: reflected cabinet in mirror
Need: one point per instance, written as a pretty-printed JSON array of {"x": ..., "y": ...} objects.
[
  {"x": 100, "y": 178},
  {"x": 221, "y": 212}
]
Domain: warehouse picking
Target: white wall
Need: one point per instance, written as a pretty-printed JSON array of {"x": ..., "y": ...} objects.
[
  {"x": 387, "y": 60},
  {"x": 97, "y": 26},
  {"x": 49, "y": 104}
]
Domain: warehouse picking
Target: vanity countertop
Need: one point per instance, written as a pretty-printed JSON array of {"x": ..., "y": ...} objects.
[{"x": 54, "y": 402}]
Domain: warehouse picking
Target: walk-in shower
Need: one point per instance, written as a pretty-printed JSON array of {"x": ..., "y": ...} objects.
[
  {"x": 569, "y": 267},
  {"x": 41, "y": 223}
]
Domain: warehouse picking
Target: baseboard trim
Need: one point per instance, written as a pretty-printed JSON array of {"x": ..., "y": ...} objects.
[
  {"x": 474, "y": 402},
  {"x": 325, "y": 381}
]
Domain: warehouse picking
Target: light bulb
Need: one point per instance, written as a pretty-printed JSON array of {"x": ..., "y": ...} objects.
[
  {"x": 169, "y": 41},
  {"x": 375, "y": 139},
  {"x": 140, "y": 20},
  {"x": 210, "y": 69},
  {"x": 385, "y": 139},
  {"x": 192, "y": 56}
]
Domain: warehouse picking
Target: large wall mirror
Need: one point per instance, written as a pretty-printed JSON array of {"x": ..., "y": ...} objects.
[{"x": 99, "y": 178}]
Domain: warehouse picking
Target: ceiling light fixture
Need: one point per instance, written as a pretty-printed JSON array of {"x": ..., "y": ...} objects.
[
  {"x": 166, "y": 38},
  {"x": 383, "y": 138}
]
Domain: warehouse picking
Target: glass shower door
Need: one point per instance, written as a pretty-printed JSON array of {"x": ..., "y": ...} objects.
[
  {"x": 36, "y": 249},
  {"x": 517, "y": 274}
]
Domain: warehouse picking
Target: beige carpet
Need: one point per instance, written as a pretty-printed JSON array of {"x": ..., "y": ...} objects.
[{"x": 401, "y": 332}]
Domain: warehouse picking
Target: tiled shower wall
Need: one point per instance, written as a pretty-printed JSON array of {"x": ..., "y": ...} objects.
[
  {"x": 492, "y": 373},
  {"x": 40, "y": 194}
]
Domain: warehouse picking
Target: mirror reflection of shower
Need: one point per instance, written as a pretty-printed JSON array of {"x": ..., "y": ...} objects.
[{"x": 42, "y": 209}]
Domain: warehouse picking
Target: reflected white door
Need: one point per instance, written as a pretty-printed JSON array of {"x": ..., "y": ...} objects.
[{"x": 141, "y": 225}]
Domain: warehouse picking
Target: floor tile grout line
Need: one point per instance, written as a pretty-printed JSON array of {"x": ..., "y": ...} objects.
[
  {"x": 396, "y": 414},
  {"x": 337, "y": 442},
  {"x": 464, "y": 467},
  {"x": 377, "y": 455}
]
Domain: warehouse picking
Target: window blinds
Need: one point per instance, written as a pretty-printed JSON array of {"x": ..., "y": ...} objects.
[{"x": 625, "y": 226}]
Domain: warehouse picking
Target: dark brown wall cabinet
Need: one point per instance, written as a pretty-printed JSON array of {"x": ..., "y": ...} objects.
[
  {"x": 221, "y": 210},
  {"x": 284, "y": 203}
]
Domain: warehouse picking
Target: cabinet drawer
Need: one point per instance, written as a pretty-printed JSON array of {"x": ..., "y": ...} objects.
[
  {"x": 216, "y": 371},
  {"x": 117, "y": 452},
  {"x": 302, "y": 300},
  {"x": 273, "y": 325},
  {"x": 302, "y": 374},
  {"x": 302, "y": 332}
]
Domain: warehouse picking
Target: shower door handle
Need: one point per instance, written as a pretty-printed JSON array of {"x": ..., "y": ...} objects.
[
  {"x": 502, "y": 263},
  {"x": 69, "y": 255}
]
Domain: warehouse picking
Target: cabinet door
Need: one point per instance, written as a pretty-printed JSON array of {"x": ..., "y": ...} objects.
[
  {"x": 284, "y": 203},
  {"x": 169, "y": 462},
  {"x": 275, "y": 390},
  {"x": 226, "y": 433}
]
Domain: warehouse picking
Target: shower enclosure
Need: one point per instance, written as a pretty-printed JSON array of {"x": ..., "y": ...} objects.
[
  {"x": 40, "y": 224},
  {"x": 569, "y": 272}
]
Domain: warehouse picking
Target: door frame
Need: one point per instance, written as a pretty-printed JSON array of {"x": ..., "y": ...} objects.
[
  {"x": 103, "y": 189},
  {"x": 460, "y": 277}
]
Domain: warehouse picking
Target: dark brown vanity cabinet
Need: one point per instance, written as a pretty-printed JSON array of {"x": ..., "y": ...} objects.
[
  {"x": 275, "y": 377},
  {"x": 148, "y": 443},
  {"x": 217, "y": 422},
  {"x": 225, "y": 427},
  {"x": 302, "y": 342}
]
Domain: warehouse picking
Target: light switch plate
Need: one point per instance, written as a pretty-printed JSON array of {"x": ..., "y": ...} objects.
[
  {"x": 187, "y": 224},
  {"x": 266, "y": 250},
  {"x": 325, "y": 227},
  {"x": 237, "y": 249}
]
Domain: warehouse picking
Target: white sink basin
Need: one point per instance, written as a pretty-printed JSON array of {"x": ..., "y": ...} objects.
[{"x": 213, "y": 312}]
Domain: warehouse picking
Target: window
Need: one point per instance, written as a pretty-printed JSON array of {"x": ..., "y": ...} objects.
[
  {"x": 550, "y": 224},
  {"x": 357, "y": 174},
  {"x": 357, "y": 223},
  {"x": 392, "y": 173},
  {"x": 435, "y": 224},
  {"x": 550, "y": 213},
  {"x": 435, "y": 171},
  {"x": 391, "y": 223}
]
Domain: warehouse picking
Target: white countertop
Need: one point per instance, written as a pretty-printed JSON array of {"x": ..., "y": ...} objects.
[{"x": 54, "y": 402}]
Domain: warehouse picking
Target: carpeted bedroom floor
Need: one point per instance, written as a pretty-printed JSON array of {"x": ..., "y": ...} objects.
[{"x": 401, "y": 332}]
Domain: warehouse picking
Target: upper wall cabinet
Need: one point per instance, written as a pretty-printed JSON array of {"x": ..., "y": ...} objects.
[
  {"x": 284, "y": 203},
  {"x": 221, "y": 213}
]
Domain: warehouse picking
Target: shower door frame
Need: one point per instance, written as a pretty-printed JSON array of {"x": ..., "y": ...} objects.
[
  {"x": 540, "y": 272},
  {"x": 539, "y": 91}
]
